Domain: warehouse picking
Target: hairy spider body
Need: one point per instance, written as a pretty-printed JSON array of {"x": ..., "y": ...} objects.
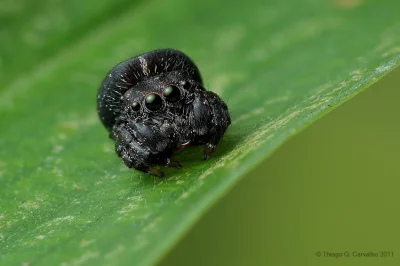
[{"x": 155, "y": 104}]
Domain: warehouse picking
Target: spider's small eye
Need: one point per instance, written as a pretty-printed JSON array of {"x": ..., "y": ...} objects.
[
  {"x": 135, "y": 106},
  {"x": 153, "y": 102},
  {"x": 187, "y": 85},
  {"x": 172, "y": 93}
]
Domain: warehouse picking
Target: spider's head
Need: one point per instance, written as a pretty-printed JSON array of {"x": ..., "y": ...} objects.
[{"x": 161, "y": 97}]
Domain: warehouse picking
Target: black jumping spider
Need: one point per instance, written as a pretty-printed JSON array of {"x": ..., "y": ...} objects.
[{"x": 155, "y": 104}]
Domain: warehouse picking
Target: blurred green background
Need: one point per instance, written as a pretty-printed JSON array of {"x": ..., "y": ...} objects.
[{"x": 334, "y": 188}]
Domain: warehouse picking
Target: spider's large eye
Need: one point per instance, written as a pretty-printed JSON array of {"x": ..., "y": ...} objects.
[
  {"x": 172, "y": 93},
  {"x": 135, "y": 106},
  {"x": 153, "y": 102}
]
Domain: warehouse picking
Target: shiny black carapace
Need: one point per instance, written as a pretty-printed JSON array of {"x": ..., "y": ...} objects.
[{"x": 155, "y": 104}]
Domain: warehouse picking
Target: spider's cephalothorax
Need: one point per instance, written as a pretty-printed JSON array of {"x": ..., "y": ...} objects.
[{"x": 155, "y": 104}]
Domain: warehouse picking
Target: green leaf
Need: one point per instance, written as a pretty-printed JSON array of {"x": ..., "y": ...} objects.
[
  {"x": 65, "y": 196},
  {"x": 32, "y": 31}
]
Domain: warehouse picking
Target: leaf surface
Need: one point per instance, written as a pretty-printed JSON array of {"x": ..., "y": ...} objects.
[{"x": 65, "y": 196}]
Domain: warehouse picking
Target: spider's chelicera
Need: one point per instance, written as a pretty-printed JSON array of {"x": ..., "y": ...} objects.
[{"x": 155, "y": 104}]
